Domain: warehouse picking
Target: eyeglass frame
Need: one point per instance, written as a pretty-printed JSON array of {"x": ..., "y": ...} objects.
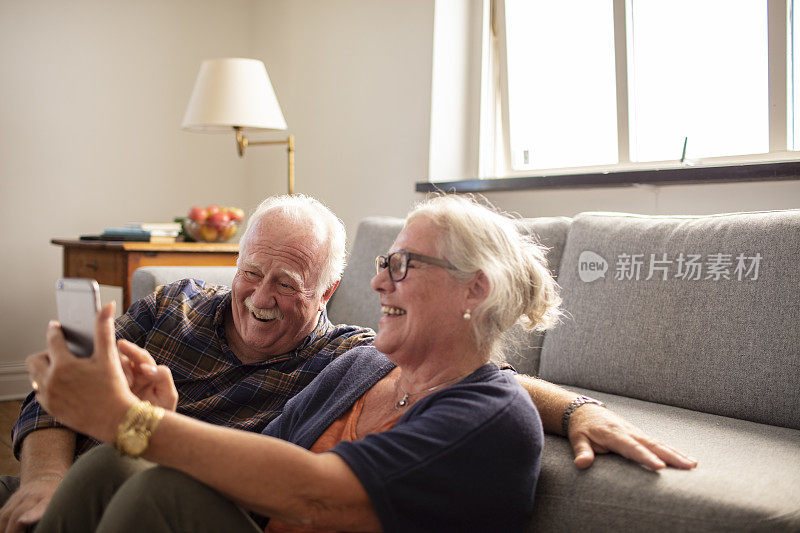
[{"x": 382, "y": 263}]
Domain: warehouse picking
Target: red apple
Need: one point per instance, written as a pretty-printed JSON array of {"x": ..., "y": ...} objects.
[
  {"x": 198, "y": 214},
  {"x": 211, "y": 209},
  {"x": 218, "y": 220}
]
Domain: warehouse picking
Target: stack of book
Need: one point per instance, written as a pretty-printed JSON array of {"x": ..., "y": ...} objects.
[{"x": 155, "y": 232}]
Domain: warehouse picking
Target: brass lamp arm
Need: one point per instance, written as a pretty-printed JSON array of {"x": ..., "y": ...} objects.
[{"x": 242, "y": 142}]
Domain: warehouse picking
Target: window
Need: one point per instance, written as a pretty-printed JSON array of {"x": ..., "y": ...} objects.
[
  {"x": 699, "y": 74},
  {"x": 561, "y": 83},
  {"x": 627, "y": 84}
]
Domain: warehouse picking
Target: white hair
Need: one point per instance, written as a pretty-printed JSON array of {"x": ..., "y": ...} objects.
[
  {"x": 309, "y": 211},
  {"x": 476, "y": 239}
]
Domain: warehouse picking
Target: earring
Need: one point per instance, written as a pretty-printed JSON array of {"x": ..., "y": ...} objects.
[{"x": 467, "y": 315}]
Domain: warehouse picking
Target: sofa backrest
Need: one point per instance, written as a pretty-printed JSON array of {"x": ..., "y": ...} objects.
[
  {"x": 354, "y": 302},
  {"x": 521, "y": 348},
  {"x": 696, "y": 312}
]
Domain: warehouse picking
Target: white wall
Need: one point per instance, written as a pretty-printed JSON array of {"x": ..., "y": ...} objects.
[
  {"x": 92, "y": 94},
  {"x": 353, "y": 78}
]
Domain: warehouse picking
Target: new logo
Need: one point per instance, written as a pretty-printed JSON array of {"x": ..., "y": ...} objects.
[{"x": 591, "y": 266}]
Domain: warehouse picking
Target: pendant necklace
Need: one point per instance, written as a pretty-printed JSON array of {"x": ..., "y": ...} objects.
[{"x": 403, "y": 402}]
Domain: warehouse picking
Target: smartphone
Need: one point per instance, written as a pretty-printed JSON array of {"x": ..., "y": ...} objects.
[{"x": 78, "y": 302}]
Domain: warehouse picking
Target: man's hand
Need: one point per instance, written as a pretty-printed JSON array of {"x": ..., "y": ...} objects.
[
  {"x": 26, "y": 506},
  {"x": 45, "y": 457},
  {"x": 594, "y": 429},
  {"x": 147, "y": 380}
]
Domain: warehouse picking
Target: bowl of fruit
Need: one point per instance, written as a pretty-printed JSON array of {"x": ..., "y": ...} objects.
[{"x": 212, "y": 223}]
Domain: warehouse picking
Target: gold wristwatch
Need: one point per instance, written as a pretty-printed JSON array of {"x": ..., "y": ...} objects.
[{"x": 133, "y": 434}]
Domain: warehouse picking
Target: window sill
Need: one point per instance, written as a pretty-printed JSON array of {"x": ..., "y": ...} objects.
[{"x": 785, "y": 170}]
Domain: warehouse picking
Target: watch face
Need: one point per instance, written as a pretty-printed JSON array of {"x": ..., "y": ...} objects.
[{"x": 134, "y": 443}]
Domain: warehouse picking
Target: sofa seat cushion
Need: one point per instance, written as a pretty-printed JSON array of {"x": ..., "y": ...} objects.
[{"x": 748, "y": 478}]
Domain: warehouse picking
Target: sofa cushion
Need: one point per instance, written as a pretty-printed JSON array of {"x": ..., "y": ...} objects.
[
  {"x": 354, "y": 302},
  {"x": 697, "y": 312},
  {"x": 747, "y": 479}
]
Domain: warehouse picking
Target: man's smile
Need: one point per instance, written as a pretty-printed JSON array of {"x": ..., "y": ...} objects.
[{"x": 262, "y": 315}]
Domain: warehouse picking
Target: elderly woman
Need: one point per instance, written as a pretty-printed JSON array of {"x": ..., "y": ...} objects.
[{"x": 420, "y": 433}]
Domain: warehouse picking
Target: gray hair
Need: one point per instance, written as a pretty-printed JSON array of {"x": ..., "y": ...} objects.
[
  {"x": 476, "y": 239},
  {"x": 307, "y": 210}
]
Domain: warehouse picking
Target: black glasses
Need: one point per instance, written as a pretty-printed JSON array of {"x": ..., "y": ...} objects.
[{"x": 398, "y": 263}]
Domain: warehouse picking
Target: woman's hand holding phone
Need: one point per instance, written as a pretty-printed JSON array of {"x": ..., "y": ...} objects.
[
  {"x": 78, "y": 302},
  {"x": 90, "y": 395}
]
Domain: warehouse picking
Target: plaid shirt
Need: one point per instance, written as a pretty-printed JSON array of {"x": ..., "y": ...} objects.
[{"x": 182, "y": 326}]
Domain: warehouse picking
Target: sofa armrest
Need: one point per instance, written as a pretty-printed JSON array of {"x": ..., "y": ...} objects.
[{"x": 146, "y": 279}]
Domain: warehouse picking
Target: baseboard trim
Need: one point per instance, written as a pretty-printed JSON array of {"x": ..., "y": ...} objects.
[{"x": 14, "y": 383}]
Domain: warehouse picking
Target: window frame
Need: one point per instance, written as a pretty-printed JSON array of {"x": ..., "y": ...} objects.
[{"x": 495, "y": 156}]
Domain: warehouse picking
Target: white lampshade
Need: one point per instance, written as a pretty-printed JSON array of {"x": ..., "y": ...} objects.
[{"x": 233, "y": 92}]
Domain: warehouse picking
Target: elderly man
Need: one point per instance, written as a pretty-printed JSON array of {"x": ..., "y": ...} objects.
[{"x": 237, "y": 355}]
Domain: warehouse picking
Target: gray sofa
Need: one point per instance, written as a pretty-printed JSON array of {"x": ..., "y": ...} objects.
[{"x": 689, "y": 327}]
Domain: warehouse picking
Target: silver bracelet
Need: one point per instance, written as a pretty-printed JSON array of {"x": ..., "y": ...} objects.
[{"x": 577, "y": 402}]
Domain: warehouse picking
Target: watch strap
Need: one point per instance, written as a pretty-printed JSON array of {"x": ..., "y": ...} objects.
[
  {"x": 575, "y": 404},
  {"x": 133, "y": 433}
]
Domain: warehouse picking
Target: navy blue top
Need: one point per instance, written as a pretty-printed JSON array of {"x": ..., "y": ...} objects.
[{"x": 464, "y": 458}]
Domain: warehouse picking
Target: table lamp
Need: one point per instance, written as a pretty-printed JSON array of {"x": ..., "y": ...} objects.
[{"x": 235, "y": 93}]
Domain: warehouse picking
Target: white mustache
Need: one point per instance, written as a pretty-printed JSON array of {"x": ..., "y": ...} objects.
[{"x": 263, "y": 314}]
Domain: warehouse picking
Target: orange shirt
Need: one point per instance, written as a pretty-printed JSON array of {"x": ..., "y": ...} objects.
[{"x": 343, "y": 429}]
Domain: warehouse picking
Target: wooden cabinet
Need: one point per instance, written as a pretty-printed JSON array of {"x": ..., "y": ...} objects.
[{"x": 113, "y": 263}]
